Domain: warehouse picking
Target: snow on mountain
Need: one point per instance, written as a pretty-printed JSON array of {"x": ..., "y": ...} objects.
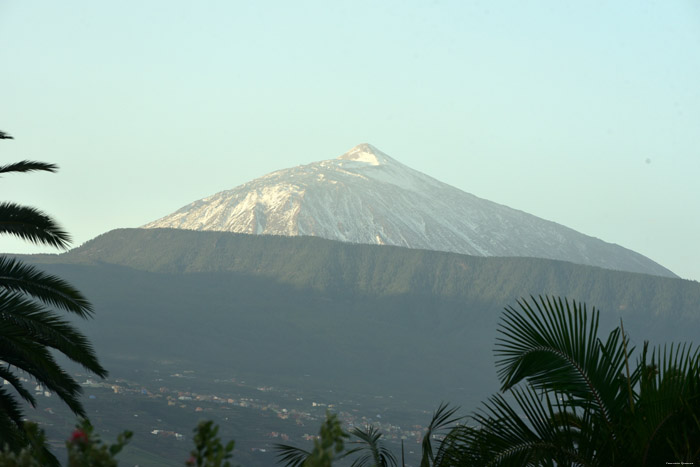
[{"x": 365, "y": 196}]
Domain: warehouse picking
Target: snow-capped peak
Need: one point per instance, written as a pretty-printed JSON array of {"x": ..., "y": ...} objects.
[
  {"x": 365, "y": 196},
  {"x": 366, "y": 153}
]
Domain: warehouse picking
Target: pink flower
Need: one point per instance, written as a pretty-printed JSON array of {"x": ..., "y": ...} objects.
[{"x": 79, "y": 437}]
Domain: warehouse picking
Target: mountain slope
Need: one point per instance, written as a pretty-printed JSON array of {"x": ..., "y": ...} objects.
[
  {"x": 365, "y": 317},
  {"x": 354, "y": 270},
  {"x": 365, "y": 196}
]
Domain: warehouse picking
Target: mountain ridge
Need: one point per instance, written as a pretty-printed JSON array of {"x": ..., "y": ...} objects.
[{"x": 358, "y": 269}]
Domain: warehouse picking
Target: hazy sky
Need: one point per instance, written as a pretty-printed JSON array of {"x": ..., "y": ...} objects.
[{"x": 586, "y": 113}]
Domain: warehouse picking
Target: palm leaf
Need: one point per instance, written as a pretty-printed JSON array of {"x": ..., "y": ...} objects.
[
  {"x": 36, "y": 440},
  {"x": 554, "y": 345},
  {"x": 375, "y": 454},
  {"x": 292, "y": 456},
  {"x": 29, "y": 332},
  {"x": 442, "y": 418},
  {"x": 668, "y": 406},
  {"x": 535, "y": 431},
  {"x": 36, "y": 360},
  {"x": 19, "y": 277},
  {"x": 48, "y": 329},
  {"x": 10, "y": 410},
  {"x": 17, "y": 385},
  {"x": 28, "y": 166},
  {"x": 32, "y": 225}
]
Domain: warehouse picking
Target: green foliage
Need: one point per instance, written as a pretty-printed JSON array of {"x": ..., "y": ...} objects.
[
  {"x": 32, "y": 225},
  {"x": 33, "y": 453},
  {"x": 209, "y": 451},
  {"x": 28, "y": 166},
  {"x": 291, "y": 456},
  {"x": 569, "y": 399},
  {"x": 372, "y": 452},
  {"x": 329, "y": 446},
  {"x": 24, "y": 458},
  {"x": 30, "y": 332},
  {"x": 572, "y": 399},
  {"x": 85, "y": 449},
  {"x": 366, "y": 447},
  {"x": 353, "y": 270},
  {"x": 443, "y": 418}
]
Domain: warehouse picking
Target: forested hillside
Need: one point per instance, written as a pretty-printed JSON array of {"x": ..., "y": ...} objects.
[{"x": 375, "y": 318}]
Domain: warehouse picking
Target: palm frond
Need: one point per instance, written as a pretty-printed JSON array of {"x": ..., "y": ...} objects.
[
  {"x": 534, "y": 431},
  {"x": 28, "y": 166},
  {"x": 19, "y": 277},
  {"x": 375, "y": 453},
  {"x": 669, "y": 403},
  {"x": 554, "y": 345},
  {"x": 17, "y": 385},
  {"x": 29, "y": 333},
  {"x": 572, "y": 399},
  {"x": 11, "y": 429},
  {"x": 10, "y": 409},
  {"x": 37, "y": 361},
  {"x": 441, "y": 419},
  {"x": 292, "y": 456},
  {"x": 36, "y": 441},
  {"x": 47, "y": 329},
  {"x": 32, "y": 225}
]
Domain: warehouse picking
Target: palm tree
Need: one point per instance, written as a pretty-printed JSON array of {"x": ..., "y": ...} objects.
[
  {"x": 328, "y": 447},
  {"x": 30, "y": 328},
  {"x": 569, "y": 397},
  {"x": 367, "y": 448},
  {"x": 443, "y": 419}
]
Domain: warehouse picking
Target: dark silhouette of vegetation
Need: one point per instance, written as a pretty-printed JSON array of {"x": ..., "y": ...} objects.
[
  {"x": 328, "y": 447},
  {"x": 332, "y": 444},
  {"x": 208, "y": 450},
  {"x": 86, "y": 449},
  {"x": 366, "y": 448},
  {"x": 30, "y": 329},
  {"x": 568, "y": 397},
  {"x": 575, "y": 398}
]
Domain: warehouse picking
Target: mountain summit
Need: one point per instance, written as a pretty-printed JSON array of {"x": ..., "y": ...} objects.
[
  {"x": 365, "y": 196},
  {"x": 366, "y": 153}
]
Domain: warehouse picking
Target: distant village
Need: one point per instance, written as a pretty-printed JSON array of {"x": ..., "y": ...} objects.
[{"x": 310, "y": 416}]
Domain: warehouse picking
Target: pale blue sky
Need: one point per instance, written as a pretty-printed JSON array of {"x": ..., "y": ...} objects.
[{"x": 585, "y": 113}]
